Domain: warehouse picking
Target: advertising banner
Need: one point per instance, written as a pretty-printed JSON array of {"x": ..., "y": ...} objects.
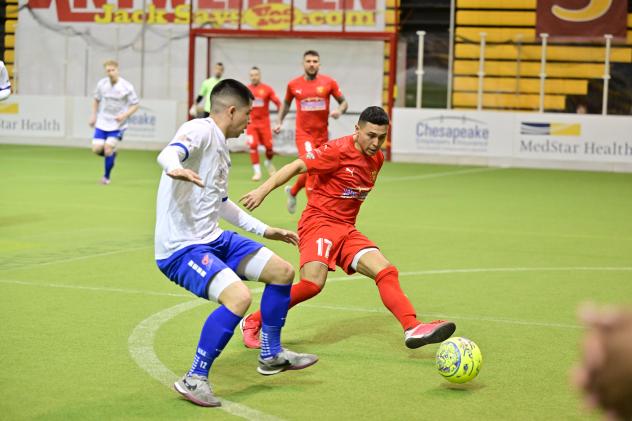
[
  {"x": 33, "y": 116},
  {"x": 509, "y": 138},
  {"x": 581, "y": 20},
  {"x": 451, "y": 132},
  {"x": 570, "y": 137},
  {"x": 321, "y": 15}
]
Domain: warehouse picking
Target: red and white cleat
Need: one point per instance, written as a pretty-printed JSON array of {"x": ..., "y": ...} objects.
[
  {"x": 250, "y": 330},
  {"x": 428, "y": 333}
]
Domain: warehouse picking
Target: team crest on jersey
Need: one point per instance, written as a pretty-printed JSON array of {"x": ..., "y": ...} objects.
[
  {"x": 374, "y": 175},
  {"x": 320, "y": 89},
  {"x": 206, "y": 260},
  {"x": 262, "y": 92}
]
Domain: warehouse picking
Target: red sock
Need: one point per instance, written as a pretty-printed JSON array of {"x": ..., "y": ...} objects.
[
  {"x": 301, "y": 291},
  {"x": 394, "y": 299},
  {"x": 300, "y": 183}
]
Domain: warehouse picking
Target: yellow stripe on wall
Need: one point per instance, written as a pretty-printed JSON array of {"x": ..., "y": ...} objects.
[
  {"x": 503, "y": 68},
  {"x": 496, "y": 4},
  {"x": 553, "y": 52},
  {"x": 467, "y": 17}
]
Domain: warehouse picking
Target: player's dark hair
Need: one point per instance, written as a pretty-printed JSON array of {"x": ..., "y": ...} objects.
[
  {"x": 311, "y": 53},
  {"x": 229, "y": 92},
  {"x": 255, "y": 68},
  {"x": 219, "y": 63},
  {"x": 374, "y": 115}
]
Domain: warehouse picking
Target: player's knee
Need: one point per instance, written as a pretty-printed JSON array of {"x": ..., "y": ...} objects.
[
  {"x": 236, "y": 298},
  {"x": 284, "y": 273},
  {"x": 386, "y": 273},
  {"x": 97, "y": 149}
]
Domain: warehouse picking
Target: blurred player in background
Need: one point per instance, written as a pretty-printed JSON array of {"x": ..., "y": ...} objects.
[
  {"x": 194, "y": 252},
  {"x": 605, "y": 373},
  {"x": 114, "y": 102},
  {"x": 205, "y": 93},
  {"x": 345, "y": 170},
  {"x": 5, "y": 83},
  {"x": 312, "y": 92},
  {"x": 258, "y": 130}
]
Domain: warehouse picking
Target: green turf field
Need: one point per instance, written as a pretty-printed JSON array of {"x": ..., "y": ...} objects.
[{"x": 92, "y": 330}]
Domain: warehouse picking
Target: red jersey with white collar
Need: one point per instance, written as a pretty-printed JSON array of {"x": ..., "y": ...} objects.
[
  {"x": 260, "y": 114},
  {"x": 312, "y": 104},
  {"x": 344, "y": 178}
]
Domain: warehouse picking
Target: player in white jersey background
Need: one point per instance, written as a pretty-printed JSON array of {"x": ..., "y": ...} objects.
[
  {"x": 5, "y": 83},
  {"x": 114, "y": 102},
  {"x": 194, "y": 252}
]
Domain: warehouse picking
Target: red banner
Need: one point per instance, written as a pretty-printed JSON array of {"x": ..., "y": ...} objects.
[{"x": 582, "y": 19}]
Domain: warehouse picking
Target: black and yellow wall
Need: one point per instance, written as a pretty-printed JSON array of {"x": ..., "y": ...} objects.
[{"x": 8, "y": 21}]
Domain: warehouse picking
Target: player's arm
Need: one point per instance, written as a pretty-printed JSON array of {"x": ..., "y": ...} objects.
[
  {"x": 171, "y": 158},
  {"x": 342, "y": 107},
  {"x": 275, "y": 99},
  {"x": 253, "y": 199},
  {"x": 131, "y": 110},
  {"x": 231, "y": 213},
  {"x": 93, "y": 114},
  {"x": 285, "y": 108}
]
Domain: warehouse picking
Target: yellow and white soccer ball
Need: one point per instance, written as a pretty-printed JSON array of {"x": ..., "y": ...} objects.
[{"x": 459, "y": 360}]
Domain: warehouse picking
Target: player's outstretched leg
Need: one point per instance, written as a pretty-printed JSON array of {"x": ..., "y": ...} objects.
[
  {"x": 216, "y": 332},
  {"x": 416, "y": 334}
]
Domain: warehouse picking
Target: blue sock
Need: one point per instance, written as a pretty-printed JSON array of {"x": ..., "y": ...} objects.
[
  {"x": 109, "y": 164},
  {"x": 216, "y": 332},
  {"x": 274, "y": 306}
]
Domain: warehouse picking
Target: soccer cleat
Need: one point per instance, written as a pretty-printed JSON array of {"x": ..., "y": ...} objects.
[
  {"x": 291, "y": 200},
  {"x": 250, "y": 332},
  {"x": 428, "y": 333},
  {"x": 271, "y": 168},
  {"x": 256, "y": 176},
  {"x": 105, "y": 181},
  {"x": 285, "y": 360},
  {"x": 196, "y": 389}
]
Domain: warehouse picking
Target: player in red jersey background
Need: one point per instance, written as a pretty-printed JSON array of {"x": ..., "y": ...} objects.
[
  {"x": 312, "y": 92},
  {"x": 258, "y": 131},
  {"x": 345, "y": 171}
]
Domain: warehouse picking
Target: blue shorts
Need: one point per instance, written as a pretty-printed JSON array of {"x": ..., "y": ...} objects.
[
  {"x": 103, "y": 135},
  {"x": 194, "y": 266}
]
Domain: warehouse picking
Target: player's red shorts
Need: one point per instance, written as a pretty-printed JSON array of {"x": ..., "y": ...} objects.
[
  {"x": 330, "y": 242},
  {"x": 259, "y": 135},
  {"x": 306, "y": 143}
]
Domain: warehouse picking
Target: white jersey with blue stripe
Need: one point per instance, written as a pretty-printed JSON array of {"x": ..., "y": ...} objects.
[
  {"x": 5, "y": 83},
  {"x": 187, "y": 214},
  {"x": 113, "y": 100}
]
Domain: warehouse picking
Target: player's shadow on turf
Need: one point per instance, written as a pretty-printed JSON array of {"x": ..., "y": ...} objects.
[{"x": 375, "y": 326}]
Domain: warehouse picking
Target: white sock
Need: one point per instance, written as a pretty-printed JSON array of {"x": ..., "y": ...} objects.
[
  {"x": 256, "y": 168},
  {"x": 267, "y": 162}
]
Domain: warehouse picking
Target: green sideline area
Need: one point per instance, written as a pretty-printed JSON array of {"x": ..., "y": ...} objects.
[{"x": 508, "y": 254}]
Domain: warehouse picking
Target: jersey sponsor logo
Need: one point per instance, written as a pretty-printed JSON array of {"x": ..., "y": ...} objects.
[
  {"x": 313, "y": 104},
  {"x": 310, "y": 155},
  {"x": 359, "y": 193},
  {"x": 258, "y": 103}
]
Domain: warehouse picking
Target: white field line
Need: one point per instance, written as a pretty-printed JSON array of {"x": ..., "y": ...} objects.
[
  {"x": 141, "y": 348},
  {"x": 437, "y": 174}
]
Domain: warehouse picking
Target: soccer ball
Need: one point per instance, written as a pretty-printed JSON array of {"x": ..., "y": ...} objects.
[{"x": 459, "y": 360}]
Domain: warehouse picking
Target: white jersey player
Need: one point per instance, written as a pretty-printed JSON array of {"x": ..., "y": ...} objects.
[
  {"x": 114, "y": 102},
  {"x": 5, "y": 83},
  {"x": 195, "y": 253}
]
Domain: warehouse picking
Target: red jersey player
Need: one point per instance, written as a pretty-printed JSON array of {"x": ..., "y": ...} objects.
[
  {"x": 258, "y": 130},
  {"x": 312, "y": 92},
  {"x": 345, "y": 170}
]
